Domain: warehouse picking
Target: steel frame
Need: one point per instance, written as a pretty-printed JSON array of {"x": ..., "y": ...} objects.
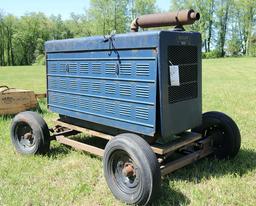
[{"x": 182, "y": 145}]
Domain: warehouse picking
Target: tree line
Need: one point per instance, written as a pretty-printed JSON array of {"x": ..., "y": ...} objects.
[{"x": 227, "y": 27}]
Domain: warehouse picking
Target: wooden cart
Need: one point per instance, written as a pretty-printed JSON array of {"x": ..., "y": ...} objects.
[{"x": 13, "y": 101}]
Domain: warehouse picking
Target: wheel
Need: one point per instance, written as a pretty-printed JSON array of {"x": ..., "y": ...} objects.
[
  {"x": 131, "y": 169},
  {"x": 30, "y": 134},
  {"x": 225, "y": 133}
]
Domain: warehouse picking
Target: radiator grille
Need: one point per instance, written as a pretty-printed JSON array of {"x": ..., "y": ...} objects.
[{"x": 186, "y": 58}]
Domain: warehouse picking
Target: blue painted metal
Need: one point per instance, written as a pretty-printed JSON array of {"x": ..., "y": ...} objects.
[
  {"x": 133, "y": 40},
  {"x": 122, "y": 82},
  {"x": 117, "y": 88}
]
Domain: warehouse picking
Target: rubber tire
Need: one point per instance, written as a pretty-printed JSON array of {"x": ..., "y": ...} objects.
[
  {"x": 231, "y": 137},
  {"x": 40, "y": 131},
  {"x": 142, "y": 154}
]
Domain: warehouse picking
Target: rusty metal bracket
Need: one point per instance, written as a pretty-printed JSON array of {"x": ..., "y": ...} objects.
[
  {"x": 80, "y": 146},
  {"x": 83, "y": 130},
  {"x": 205, "y": 149},
  {"x": 200, "y": 147},
  {"x": 183, "y": 161},
  {"x": 186, "y": 139}
]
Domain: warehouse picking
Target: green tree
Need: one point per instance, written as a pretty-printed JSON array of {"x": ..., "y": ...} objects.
[
  {"x": 253, "y": 45},
  {"x": 141, "y": 7},
  {"x": 78, "y": 25},
  {"x": 31, "y": 28},
  {"x": 206, "y": 24},
  {"x": 246, "y": 10},
  {"x": 223, "y": 17},
  {"x": 2, "y": 35},
  {"x": 233, "y": 46},
  {"x": 59, "y": 29},
  {"x": 9, "y": 29},
  {"x": 107, "y": 15}
]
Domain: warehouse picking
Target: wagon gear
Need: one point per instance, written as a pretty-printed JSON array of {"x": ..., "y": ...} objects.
[{"x": 142, "y": 93}]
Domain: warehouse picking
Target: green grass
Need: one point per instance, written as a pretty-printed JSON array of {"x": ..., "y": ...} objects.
[{"x": 68, "y": 177}]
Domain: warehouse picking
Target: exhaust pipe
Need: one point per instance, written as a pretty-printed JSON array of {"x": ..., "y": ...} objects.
[{"x": 180, "y": 18}]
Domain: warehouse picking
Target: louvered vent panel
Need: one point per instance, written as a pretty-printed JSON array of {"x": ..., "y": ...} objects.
[
  {"x": 52, "y": 67},
  {"x": 72, "y": 68},
  {"x": 84, "y": 103},
  {"x": 102, "y": 88},
  {"x": 96, "y": 105},
  {"x": 73, "y": 85},
  {"x": 125, "y": 69},
  {"x": 63, "y": 68},
  {"x": 142, "y": 113},
  {"x": 125, "y": 110},
  {"x": 84, "y": 86},
  {"x": 96, "y": 68},
  {"x": 142, "y": 91},
  {"x": 84, "y": 68},
  {"x": 110, "y": 88},
  {"x": 142, "y": 70},
  {"x": 53, "y": 84},
  {"x": 62, "y": 101},
  {"x": 96, "y": 87},
  {"x": 110, "y": 107},
  {"x": 110, "y": 69},
  {"x": 73, "y": 102},
  {"x": 63, "y": 84},
  {"x": 53, "y": 98},
  {"x": 125, "y": 89}
]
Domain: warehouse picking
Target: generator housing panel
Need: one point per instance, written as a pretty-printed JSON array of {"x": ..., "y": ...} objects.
[{"x": 147, "y": 82}]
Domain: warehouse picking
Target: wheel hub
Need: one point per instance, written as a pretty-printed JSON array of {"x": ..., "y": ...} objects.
[
  {"x": 128, "y": 170},
  {"x": 125, "y": 171},
  {"x": 28, "y": 136},
  {"x": 25, "y": 136}
]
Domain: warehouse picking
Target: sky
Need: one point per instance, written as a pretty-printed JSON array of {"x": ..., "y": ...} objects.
[{"x": 49, "y": 7}]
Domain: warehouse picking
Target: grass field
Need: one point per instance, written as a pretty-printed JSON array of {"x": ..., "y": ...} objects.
[{"x": 68, "y": 177}]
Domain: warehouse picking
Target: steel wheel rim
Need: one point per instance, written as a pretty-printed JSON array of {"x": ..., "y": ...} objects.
[
  {"x": 25, "y": 137},
  {"x": 218, "y": 133},
  {"x": 127, "y": 183}
]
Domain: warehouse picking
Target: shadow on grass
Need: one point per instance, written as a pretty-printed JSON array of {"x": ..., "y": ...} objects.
[
  {"x": 57, "y": 151},
  {"x": 169, "y": 196},
  {"x": 206, "y": 168},
  {"x": 94, "y": 141}
]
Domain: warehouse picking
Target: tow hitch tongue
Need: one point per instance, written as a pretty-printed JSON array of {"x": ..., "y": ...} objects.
[{"x": 128, "y": 170}]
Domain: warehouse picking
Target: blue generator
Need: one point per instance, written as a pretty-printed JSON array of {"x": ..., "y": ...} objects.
[
  {"x": 125, "y": 81},
  {"x": 140, "y": 92}
]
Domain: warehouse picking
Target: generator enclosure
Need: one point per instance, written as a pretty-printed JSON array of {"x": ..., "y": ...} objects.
[{"x": 148, "y": 83}]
